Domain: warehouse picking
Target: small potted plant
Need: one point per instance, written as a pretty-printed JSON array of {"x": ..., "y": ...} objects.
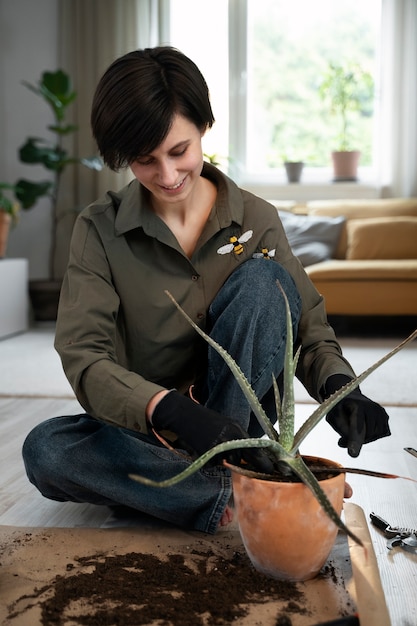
[
  {"x": 9, "y": 211},
  {"x": 56, "y": 90},
  {"x": 293, "y": 169},
  {"x": 293, "y": 165},
  {"x": 346, "y": 90},
  {"x": 288, "y": 520}
]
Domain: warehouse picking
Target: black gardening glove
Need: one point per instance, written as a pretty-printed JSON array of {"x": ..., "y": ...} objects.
[
  {"x": 202, "y": 429},
  {"x": 356, "y": 418}
]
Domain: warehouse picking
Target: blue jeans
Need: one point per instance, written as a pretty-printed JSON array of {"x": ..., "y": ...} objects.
[{"x": 80, "y": 459}]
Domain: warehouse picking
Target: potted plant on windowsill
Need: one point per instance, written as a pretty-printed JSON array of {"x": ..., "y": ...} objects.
[
  {"x": 266, "y": 518},
  {"x": 346, "y": 90},
  {"x": 293, "y": 166},
  {"x": 294, "y": 170},
  {"x": 56, "y": 91}
]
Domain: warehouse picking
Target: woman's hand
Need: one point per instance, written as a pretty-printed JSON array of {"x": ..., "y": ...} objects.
[
  {"x": 202, "y": 429},
  {"x": 356, "y": 418}
]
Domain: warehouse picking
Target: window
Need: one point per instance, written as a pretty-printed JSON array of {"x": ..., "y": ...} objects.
[
  {"x": 289, "y": 48},
  {"x": 264, "y": 61},
  {"x": 203, "y": 36}
]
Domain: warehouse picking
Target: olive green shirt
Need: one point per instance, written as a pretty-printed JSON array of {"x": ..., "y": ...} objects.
[{"x": 119, "y": 336}]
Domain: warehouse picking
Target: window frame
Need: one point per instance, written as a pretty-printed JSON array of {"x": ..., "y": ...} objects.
[{"x": 316, "y": 183}]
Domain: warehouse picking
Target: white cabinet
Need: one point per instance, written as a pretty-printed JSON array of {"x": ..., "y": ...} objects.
[{"x": 14, "y": 298}]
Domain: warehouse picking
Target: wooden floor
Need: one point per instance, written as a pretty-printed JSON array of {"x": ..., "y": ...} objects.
[
  {"x": 394, "y": 500},
  {"x": 20, "y": 503}
]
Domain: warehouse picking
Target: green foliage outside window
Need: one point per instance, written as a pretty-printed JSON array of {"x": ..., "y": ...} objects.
[{"x": 288, "y": 63}]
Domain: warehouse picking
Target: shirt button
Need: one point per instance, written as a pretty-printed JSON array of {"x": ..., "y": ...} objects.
[
  {"x": 200, "y": 316},
  {"x": 194, "y": 277}
]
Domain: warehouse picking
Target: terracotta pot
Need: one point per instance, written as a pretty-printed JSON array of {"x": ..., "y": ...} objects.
[
  {"x": 286, "y": 533},
  {"x": 5, "y": 220},
  {"x": 345, "y": 165}
]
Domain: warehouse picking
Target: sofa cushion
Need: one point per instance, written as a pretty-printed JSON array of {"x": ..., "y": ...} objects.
[
  {"x": 357, "y": 209},
  {"x": 312, "y": 238},
  {"x": 375, "y": 207},
  {"x": 382, "y": 238},
  {"x": 369, "y": 270}
]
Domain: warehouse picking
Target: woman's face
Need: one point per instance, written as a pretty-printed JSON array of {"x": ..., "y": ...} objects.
[{"x": 171, "y": 171}]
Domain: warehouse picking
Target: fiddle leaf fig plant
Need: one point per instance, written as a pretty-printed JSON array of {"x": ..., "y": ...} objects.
[
  {"x": 56, "y": 90},
  {"x": 283, "y": 445}
]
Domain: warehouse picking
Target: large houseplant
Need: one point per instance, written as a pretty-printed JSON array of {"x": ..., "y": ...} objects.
[
  {"x": 318, "y": 524},
  {"x": 347, "y": 91},
  {"x": 56, "y": 91}
]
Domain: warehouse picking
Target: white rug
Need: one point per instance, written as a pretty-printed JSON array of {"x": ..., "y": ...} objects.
[
  {"x": 393, "y": 384},
  {"x": 30, "y": 366}
]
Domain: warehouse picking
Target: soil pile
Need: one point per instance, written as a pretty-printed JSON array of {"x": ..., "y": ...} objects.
[{"x": 201, "y": 589}]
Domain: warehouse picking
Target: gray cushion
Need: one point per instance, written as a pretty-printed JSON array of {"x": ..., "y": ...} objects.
[{"x": 312, "y": 238}]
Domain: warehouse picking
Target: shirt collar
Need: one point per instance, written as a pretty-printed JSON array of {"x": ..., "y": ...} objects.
[{"x": 134, "y": 211}]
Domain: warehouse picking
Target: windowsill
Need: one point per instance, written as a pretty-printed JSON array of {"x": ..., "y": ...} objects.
[
  {"x": 304, "y": 192},
  {"x": 314, "y": 185}
]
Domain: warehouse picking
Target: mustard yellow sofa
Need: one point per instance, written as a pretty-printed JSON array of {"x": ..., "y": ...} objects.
[{"x": 373, "y": 267}]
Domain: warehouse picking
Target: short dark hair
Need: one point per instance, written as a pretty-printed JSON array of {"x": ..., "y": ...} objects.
[{"x": 137, "y": 98}]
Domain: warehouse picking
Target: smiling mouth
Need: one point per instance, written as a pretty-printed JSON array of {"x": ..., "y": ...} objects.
[{"x": 174, "y": 187}]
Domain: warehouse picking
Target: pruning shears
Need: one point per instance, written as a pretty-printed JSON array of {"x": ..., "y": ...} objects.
[{"x": 405, "y": 538}]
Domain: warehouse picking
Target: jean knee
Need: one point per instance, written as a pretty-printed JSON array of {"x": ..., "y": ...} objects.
[
  {"x": 39, "y": 456},
  {"x": 267, "y": 273},
  {"x": 259, "y": 281}
]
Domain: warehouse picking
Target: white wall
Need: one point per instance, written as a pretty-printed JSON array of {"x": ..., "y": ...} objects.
[{"x": 28, "y": 46}]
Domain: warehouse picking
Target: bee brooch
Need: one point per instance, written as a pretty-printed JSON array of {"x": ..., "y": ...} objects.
[{"x": 236, "y": 243}]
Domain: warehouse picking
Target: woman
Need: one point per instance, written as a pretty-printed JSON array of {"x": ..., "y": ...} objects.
[{"x": 135, "y": 364}]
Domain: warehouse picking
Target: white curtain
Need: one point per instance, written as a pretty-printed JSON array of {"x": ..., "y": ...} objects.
[
  {"x": 397, "y": 149},
  {"x": 93, "y": 33}
]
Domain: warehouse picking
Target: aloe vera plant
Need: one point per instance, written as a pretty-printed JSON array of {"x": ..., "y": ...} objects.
[{"x": 283, "y": 444}]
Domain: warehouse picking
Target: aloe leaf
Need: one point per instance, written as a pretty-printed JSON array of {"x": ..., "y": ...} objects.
[
  {"x": 286, "y": 430},
  {"x": 296, "y": 358},
  {"x": 278, "y": 402},
  {"x": 300, "y": 468},
  {"x": 328, "y": 404},
  {"x": 233, "y": 444},
  {"x": 238, "y": 374},
  {"x": 358, "y": 470}
]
